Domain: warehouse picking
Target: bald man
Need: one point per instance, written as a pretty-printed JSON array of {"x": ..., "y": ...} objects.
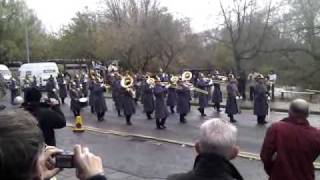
[{"x": 291, "y": 146}]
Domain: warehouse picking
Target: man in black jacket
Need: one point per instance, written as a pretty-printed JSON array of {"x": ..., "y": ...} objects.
[
  {"x": 217, "y": 146},
  {"x": 49, "y": 115}
]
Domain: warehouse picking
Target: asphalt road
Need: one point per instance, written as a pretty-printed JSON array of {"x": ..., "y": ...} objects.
[{"x": 150, "y": 159}]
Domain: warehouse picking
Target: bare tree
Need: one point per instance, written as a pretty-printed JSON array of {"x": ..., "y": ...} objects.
[{"x": 245, "y": 28}]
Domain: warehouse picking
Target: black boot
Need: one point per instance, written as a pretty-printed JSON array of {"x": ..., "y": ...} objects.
[
  {"x": 128, "y": 119},
  {"x": 158, "y": 124},
  {"x": 182, "y": 119},
  {"x": 149, "y": 115},
  {"x": 162, "y": 123},
  {"x": 172, "y": 109},
  {"x": 218, "y": 107},
  {"x": 232, "y": 120},
  {"x": 119, "y": 113}
]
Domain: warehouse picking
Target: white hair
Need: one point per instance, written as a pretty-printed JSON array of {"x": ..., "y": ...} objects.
[{"x": 217, "y": 136}]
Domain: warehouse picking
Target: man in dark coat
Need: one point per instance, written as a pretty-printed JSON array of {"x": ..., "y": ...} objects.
[
  {"x": 14, "y": 89},
  {"x": 183, "y": 101},
  {"x": 117, "y": 93},
  {"x": 217, "y": 146},
  {"x": 291, "y": 146},
  {"x": 128, "y": 104},
  {"x": 100, "y": 106},
  {"x": 84, "y": 85},
  {"x": 161, "y": 111},
  {"x": 232, "y": 106},
  {"x": 242, "y": 79},
  {"x": 203, "y": 98},
  {"x": 216, "y": 97},
  {"x": 148, "y": 100},
  {"x": 75, "y": 95},
  {"x": 260, "y": 101},
  {"x": 62, "y": 87},
  {"x": 49, "y": 116},
  {"x": 172, "y": 98}
]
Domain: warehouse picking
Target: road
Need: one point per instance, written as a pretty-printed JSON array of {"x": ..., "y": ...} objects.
[{"x": 140, "y": 158}]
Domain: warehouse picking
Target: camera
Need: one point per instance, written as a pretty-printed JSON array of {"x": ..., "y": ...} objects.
[{"x": 64, "y": 160}]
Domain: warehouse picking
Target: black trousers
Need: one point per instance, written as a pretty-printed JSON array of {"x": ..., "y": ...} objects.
[
  {"x": 62, "y": 100},
  {"x": 251, "y": 93},
  {"x": 201, "y": 110},
  {"x": 92, "y": 109},
  {"x": 231, "y": 118}
]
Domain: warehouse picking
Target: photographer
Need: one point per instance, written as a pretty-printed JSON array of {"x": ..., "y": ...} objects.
[
  {"x": 24, "y": 156},
  {"x": 49, "y": 115}
]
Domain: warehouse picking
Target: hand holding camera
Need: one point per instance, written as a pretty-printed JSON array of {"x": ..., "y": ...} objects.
[{"x": 53, "y": 160}]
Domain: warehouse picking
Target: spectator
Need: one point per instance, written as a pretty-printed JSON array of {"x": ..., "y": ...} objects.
[
  {"x": 23, "y": 155},
  {"x": 216, "y": 147},
  {"x": 49, "y": 116},
  {"x": 291, "y": 146}
]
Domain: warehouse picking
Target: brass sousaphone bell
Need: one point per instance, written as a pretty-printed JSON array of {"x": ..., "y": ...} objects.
[{"x": 186, "y": 76}]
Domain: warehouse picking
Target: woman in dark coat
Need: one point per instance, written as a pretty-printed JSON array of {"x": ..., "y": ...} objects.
[
  {"x": 100, "y": 105},
  {"x": 216, "y": 96},
  {"x": 128, "y": 104},
  {"x": 161, "y": 111},
  {"x": 260, "y": 101},
  {"x": 231, "y": 106},
  {"x": 148, "y": 100},
  {"x": 172, "y": 98},
  {"x": 183, "y": 101}
]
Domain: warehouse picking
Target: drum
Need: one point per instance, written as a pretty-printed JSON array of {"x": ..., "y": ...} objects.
[{"x": 83, "y": 102}]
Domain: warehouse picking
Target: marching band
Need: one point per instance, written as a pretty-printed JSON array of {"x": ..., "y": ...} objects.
[{"x": 159, "y": 94}]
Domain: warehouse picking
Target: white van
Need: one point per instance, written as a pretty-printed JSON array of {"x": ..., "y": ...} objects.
[
  {"x": 5, "y": 72},
  {"x": 42, "y": 71}
]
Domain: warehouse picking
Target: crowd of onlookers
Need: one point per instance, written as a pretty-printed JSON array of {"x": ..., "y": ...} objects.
[{"x": 288, "y": 152}]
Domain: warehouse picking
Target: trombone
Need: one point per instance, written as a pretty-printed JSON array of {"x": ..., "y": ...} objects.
[{"x": 186, "y": 77}]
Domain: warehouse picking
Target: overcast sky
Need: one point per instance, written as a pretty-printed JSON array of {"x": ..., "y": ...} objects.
[{"x": 56, "y": 13}]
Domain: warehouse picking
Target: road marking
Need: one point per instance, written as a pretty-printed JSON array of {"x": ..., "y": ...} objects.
[{"x": 242, "y": 154}]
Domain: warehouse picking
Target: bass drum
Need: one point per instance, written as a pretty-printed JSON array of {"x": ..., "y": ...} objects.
[{"x": 83, "y": 102}]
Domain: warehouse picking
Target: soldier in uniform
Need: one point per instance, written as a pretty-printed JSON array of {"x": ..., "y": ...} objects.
[
  {"x": 183, "y": 101},
  {"x": 91, "y": 96},
  {"x": 51, "y": 88},
  {"x": 62, "y": 87},
  {"x": 117, "y": 93},
  {"x": 232, "y": 91},
  {"x": 84, "y": 85},
  {"x": 203, "y": 98},
  {"x": 128, "y": 104},
  {"x": 172, "y": 98},
  {"x": 13, "y": 89},
  {"x": 148, "y": 100},
  {"x": 161, "y": 111},
  {"x": 75, "y": 95},
  {"x": 100, "y": 106},
  {"x": 216, "y": 96},
  {"x": 260, "y": 101}
]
